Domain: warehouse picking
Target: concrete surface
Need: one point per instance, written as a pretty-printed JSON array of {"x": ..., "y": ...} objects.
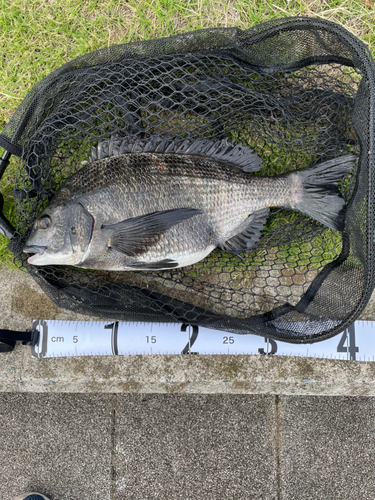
[
  {"x": 232, "y": 374},
  {"x": 176, "y": 427},
  {"x": 22, "y": 300},
  {"x": 327, "y": 448},
  {"x": 187, "y": 446}
]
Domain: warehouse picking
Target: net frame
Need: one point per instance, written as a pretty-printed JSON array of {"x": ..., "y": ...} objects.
[{"x": 307, "y": 43}]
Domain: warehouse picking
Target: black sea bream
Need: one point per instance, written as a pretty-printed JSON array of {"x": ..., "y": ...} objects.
[{"x": 165, "y": 203}]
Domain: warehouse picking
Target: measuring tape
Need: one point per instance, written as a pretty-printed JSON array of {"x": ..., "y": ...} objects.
[{"x": 82, "y": 338}]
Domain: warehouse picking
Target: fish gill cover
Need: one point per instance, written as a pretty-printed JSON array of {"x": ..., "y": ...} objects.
[{"x": 298, "y": 92}]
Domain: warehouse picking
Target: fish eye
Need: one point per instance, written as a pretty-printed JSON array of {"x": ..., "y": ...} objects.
[{"x": 44, "y": 222}]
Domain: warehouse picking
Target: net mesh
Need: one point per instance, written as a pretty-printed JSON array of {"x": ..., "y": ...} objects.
[{"x": 297, "y": 91}]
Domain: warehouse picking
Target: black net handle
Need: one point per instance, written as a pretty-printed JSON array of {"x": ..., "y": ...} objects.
[
  {"x": 8, "y": 339},
  {"x": 6, "y": 228}
]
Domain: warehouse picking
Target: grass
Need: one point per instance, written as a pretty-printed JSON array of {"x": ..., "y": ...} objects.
[{"x": 39, "y": 36}]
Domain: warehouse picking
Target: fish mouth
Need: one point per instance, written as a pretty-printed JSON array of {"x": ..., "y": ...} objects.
[{"x": 34, "y": 249}]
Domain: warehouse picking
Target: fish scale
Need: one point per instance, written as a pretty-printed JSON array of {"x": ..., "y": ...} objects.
[{"x": 142, "y": 180}]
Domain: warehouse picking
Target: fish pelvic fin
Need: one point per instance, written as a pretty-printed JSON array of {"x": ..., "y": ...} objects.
[{"x": 320, "y": 197}]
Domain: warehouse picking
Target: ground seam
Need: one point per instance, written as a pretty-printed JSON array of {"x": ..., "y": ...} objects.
[
  {"x": 278, "y": 471},
  {"x": 113, "y": 447}
]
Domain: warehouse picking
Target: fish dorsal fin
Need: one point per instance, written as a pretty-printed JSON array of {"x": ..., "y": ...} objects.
[
  {"x": 216, "y": 149},
  {"x": 249, "y": 233}
]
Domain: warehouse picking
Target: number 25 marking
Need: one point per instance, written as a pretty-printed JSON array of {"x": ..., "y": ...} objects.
[{"x": 228, "y": 340}]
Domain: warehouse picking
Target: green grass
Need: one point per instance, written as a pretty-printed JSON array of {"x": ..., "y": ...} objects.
[{"x": 39, "y": 36}]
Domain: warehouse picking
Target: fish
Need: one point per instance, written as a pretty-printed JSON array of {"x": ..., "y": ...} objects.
[{"x": 164, "y": 202}]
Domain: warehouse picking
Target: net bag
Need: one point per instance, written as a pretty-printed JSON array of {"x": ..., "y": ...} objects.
[{"x": 297, "y": 91}]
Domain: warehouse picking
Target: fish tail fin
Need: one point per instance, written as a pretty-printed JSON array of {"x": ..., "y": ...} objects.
[{"x": 320, "y": 198}]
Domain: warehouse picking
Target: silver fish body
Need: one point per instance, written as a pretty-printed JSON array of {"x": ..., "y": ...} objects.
[{"x": 154, "y": 210}]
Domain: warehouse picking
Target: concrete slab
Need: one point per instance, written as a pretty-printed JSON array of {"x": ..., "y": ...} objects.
[
  {"x": 187, "y": 446},
  {"x": 60, "y": 446},
  {"x": 201, "y": 374},
  {"x": 22, "y": 299},
  {"x": 209, "y": 447},
  {"x": 80, "y": 447},
  {"x": 327, "y": 448}
]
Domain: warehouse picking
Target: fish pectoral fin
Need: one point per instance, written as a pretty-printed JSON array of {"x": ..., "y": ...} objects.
[
  {"x": 135, "y": 236},
  {"x": 249, "y": 233},
  {"x": 161, "y": 264}
]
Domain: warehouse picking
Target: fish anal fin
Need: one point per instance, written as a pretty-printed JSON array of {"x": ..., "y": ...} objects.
[
  {"x": 136, "y": 235},
  {"x": 249, "y": 233}
]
